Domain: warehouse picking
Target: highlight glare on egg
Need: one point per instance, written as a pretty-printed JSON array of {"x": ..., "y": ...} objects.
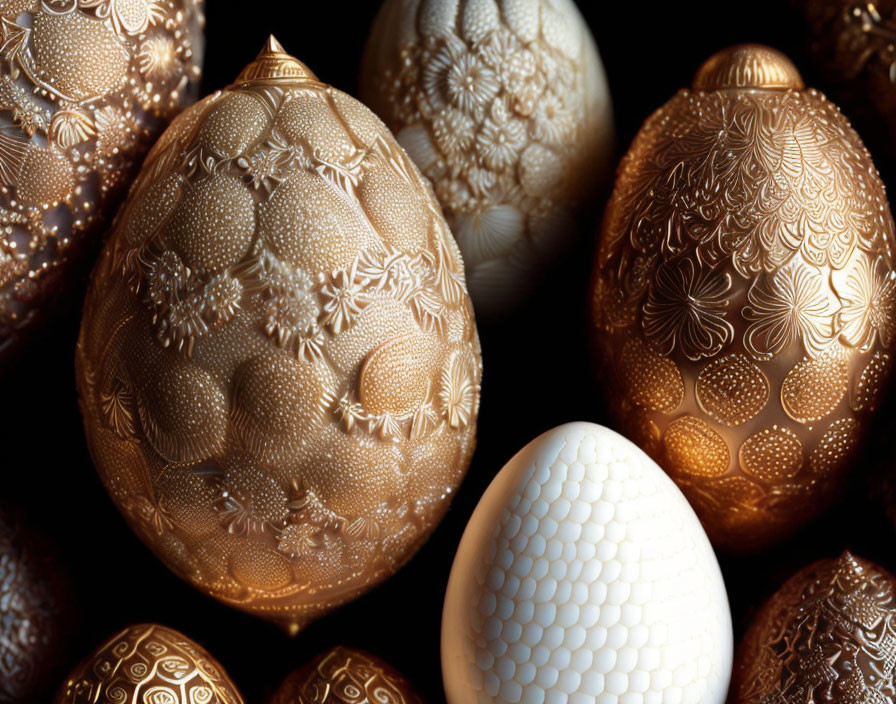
[
  {"x": 86, "y": 86},
  {"x": 584, "y": 575},
  {"x": 278, "y": 367},
  {"x": 745, "y": 295},
  {"x": 504, "y": 106}
]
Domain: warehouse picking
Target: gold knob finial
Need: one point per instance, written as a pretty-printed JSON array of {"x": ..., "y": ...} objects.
[
  {"x": 748, "y": 66},
  {"x": 274, "y": 65}
]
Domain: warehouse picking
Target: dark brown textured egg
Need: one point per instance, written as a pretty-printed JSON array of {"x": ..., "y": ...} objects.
[{"x": 33, "y": 617}]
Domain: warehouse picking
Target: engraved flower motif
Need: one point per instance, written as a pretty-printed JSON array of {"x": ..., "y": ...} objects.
[
  {"x": 299, "y": 540},
  {"x": 790, "y": 305},
  {"x": 500, "y": 138},
  {"x": 344, "y": 298},
  {"x": 117, "y": 132},
  {"x": 166, "y": 273},
  {"x": 157, "y": 59},
  {"x": 458, "y": 391},
  {"x": 131, "y": 16},
  {"x": 470, "y": 85},
  {"x": 687, "y": 307},
  {"x": 222, "y": 297},
  {"x": 71, "y": 127},
  {"x": 553, "y": 121},
  {"x": 869, "y": 302},
  {"x": 454, "y": 131},
  {"x": 291, "y": 313}
]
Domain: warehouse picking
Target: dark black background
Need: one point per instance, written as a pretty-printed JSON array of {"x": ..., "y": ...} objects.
[{"x": 537, "y": 375}]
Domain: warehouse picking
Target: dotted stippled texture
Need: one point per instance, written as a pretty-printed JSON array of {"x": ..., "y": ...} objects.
[{"x": 589, "y": 579}]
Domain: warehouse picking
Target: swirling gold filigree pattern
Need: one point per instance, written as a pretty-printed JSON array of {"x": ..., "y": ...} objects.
[
  {"x": 749, "y": 244},
  {"x": 149, "y": 664}
]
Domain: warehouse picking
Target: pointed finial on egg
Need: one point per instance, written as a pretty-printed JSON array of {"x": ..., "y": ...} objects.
[
  {"x": 274, "y": 65},
  {"x": 748, "y": 66}
]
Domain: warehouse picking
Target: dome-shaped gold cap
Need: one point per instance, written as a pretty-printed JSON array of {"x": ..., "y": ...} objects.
[
  {"x": 748, "y": 66},
  {"x": 274, "y": 65}
]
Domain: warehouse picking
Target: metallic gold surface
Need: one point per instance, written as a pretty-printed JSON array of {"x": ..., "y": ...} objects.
[
  {"x": 505, "y": 108},
  {"x": 32, "y": 612},
  {"x": 149, "y": 664},
  {"x": 346, "y": 676},
  {"x": 853, "y": 43},
  {"x": 279, "y": 368},
  {"x": 744, "y": 298},
  {"x": 828, "y": 636},
  {"x": 85, "y": 88}
]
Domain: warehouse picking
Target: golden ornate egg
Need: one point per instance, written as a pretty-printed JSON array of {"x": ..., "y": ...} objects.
[
  {"x": 278, "y": 366},
  {"x": 744, "y": 301},
  {"x": 828, "y": 636},
  {"x": 346, "y": 676},
  {"x": 854, "y": 45},
  {"x": 33, "y": 615},
  {"x": 85, "y": 88},
  {"x": 150, "y": 664},
  {"x": 504, "y": 106}
]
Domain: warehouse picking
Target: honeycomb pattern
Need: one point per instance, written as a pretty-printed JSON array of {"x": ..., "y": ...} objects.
[{"x": 585, "y": 576}]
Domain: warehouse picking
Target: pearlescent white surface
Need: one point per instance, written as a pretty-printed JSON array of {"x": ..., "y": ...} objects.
[{"x": 584, "y": 576}]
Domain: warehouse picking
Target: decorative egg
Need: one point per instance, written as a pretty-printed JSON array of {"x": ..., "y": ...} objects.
[
  {"x": 278, "y": 367},
  {"x": 85, "y": 88},
  {"x": 854, "y": 45},
  {"x": 33, "y": 613},
  {"x": 744, "y": 299},
  {"x": 150, "y": 664},
  {"x": 584, "y": 575},
  {"x": 346, "y": 676},
  {"x": 828, "y": 636},
  {"x": 504, "y": 106}
]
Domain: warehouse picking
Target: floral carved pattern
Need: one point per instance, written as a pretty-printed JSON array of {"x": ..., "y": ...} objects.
[
  {"x": 508, "y": 117},
  {"x": 747, "y": 222},
  {"x": 279, "y": 366}
]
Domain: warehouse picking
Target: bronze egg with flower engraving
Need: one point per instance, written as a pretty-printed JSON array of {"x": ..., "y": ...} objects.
[{"x": 744, "y": 301}]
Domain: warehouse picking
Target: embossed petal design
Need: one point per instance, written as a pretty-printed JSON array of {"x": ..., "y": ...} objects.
[
  {"x": 279, "y": 367},
  {"x": 749, "y": 244},
  {"x": 86, "y": 86}
]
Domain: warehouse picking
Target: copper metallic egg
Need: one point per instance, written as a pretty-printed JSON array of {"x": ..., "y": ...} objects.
[
  {"x": 346, "y": 676},
  {"x": 33, "y": 613},
  {"x": 744, "y": 303},
  {"x": 278, "y": 366},
  {"x": 149, "y": 664},
  {"x": 853, "y": 44},
  {"x": 504, "y": 106},
  {"x": 828, "y": 636},
  {"x": 85, "y": 88}
]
